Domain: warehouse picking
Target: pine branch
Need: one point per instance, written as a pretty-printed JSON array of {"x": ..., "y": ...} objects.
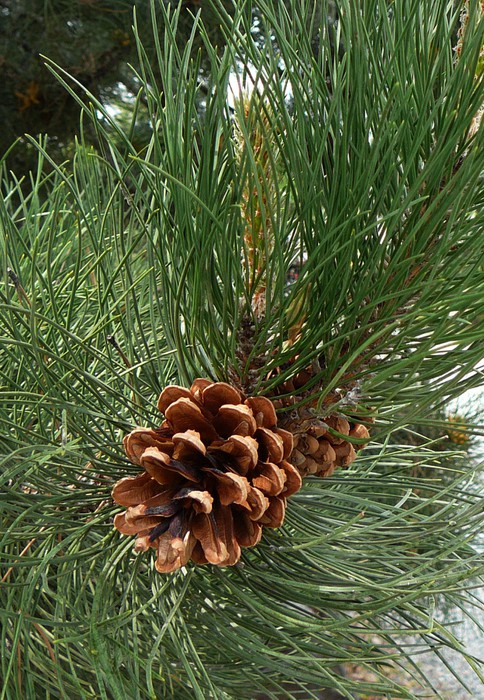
[{"x": 373, "y": 190}]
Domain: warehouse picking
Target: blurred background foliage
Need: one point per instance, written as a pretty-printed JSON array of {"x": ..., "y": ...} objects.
[{"x": 93, "y": 41}]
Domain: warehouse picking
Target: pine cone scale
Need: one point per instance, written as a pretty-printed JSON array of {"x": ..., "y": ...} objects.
[
  {"x": 173, "y": 551},
  {"x": 263, "y": 411},
  {"x": 274, "y": 515},
  {"x": 171, "y": 394},
  {"x": 217, "y": 395},
  {"x": 272, "y": 443},
  {"x": 235, "y": 420},
  {"x": 242, "y": 449},
  {"x": 231, "y": 488},
  {"x": 247, "y": 532},
  {"x": 132, "y": 490},
  {"x": 270, "y": 479},
  {"x": 257, "y": 503},
  {"x": 133, "y": 528},
  {"x": 139, "y": 439},
  {"x": 184, "y": 415},
  {"x": 205, "y": 530},
  {"x": 200, "y": 501},
  {"x": 165, "y": 470},
  {"x": 293, "y": 478}
]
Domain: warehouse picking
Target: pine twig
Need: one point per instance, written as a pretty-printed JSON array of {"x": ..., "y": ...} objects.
[{"x": 21, "y": 293}]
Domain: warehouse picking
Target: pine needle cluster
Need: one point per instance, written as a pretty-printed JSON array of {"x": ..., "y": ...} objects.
[{"x": 126, "y": 270}]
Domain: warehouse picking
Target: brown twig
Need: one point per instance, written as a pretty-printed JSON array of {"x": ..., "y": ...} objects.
[
  {"x": 112, "y": 341},
  {"x": 44, "y": 636},
  {"x": 21, "y": 293},
  {"x": 24, "y": 551}
]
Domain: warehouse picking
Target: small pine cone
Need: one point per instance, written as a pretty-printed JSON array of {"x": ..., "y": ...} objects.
[
  {"x": 215, "y": 473},
  {"x": 322, "y": 446}
]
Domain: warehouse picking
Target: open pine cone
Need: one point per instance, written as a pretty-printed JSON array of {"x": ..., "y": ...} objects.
[{"x": 215, "y": 473}]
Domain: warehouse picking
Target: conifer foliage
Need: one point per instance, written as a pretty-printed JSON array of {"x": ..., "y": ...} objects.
[{"x": 290, "y": 271}]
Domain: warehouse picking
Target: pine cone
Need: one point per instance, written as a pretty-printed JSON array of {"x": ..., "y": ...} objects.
[
  {"x": 215, "y": 473},
  {"x": 322, "y": 446}
]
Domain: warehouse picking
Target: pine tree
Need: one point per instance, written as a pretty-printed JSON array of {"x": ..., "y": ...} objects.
[{"x": 225, "y": 330}]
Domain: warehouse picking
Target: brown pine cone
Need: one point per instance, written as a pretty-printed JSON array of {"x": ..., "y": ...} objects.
[
  {"x": 215, "y": 473},
  {"x": 322, "y": 446}
]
